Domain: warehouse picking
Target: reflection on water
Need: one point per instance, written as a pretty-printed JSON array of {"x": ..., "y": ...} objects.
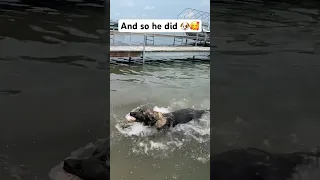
[
  {"x": 265, "y": 73},
  {"x": 51, "y": 96},
  {"x": 265, "y": 69},
  {"x": 49, "y": 31}
]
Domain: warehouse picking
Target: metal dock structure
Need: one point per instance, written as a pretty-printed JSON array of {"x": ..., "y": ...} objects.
[{"x": 194, "y": 46}]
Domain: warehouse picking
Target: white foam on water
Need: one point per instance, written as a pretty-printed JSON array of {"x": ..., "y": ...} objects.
[
  {"x": 193, "y": 137},
  {"x": 136, "y": 129}
]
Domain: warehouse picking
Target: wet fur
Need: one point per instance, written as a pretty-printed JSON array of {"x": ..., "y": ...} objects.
[{"x": 160, "y": 120}]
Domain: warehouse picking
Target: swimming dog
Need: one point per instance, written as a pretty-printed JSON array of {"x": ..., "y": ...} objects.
[{"x": 149, "y": 117}]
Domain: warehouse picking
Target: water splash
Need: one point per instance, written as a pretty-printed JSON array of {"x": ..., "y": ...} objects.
[
  {"x": 193, "y": 137},
  {"x": 136, "y": 129}
]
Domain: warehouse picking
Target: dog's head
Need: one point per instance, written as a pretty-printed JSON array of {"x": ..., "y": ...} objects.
[{"x": 145, "y": 116}]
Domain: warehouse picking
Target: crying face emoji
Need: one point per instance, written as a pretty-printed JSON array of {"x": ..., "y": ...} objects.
[
  {"x": 195, "y": 25},
  {"x": 184, "y": 25}
]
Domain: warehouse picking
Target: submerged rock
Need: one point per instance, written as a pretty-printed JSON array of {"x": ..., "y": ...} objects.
[{"x": 87, "y": 163}]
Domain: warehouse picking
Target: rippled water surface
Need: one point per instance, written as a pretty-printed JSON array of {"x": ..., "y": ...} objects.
[
  {"x": 53, "y": 94},
  {"x": 143, "y": 153},
  {"x": 265, "y": 75},
  {"x": 264, "y": 79}
]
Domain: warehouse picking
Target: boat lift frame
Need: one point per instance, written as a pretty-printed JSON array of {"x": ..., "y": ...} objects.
[{"x": 190, "y": 13}]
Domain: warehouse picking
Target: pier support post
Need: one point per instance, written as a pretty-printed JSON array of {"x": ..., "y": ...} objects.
[
  {"x": 113, "y": 37},
  {"x": 144, "y": 49},
  {"x": 205, "y": 39},
  {"x": 197, "y": 39}
]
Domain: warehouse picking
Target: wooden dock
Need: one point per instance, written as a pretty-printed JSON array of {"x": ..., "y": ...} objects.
[
  {"x": 151, "y": 52},
  {"x": 138, "y": 51}
]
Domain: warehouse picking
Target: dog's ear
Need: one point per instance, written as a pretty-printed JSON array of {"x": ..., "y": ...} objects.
[{"x": 150, "y": 114}]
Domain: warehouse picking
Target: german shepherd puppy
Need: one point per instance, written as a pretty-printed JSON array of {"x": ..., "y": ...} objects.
[{"x": 149, "y": 117}]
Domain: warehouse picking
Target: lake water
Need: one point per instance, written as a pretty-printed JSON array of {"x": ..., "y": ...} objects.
[
  {"x": 143, "y": 153},
  {"x": 53, "y": 95},
  {"x": 264, "y": 82},
  {"x": 265, "y": 88}
]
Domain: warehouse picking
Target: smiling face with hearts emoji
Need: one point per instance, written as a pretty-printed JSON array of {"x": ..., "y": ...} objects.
[{"x": 195, "y": 25}]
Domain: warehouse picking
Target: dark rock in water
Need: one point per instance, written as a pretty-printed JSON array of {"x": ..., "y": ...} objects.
[
  {"x": 256, "y": 164},
  {"x": 91, "y": 162},
  {"x": 87, "y": 169}
]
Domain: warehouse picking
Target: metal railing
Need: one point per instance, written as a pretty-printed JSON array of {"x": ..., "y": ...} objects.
[
  {"x": 192, "y": 36},
  {"x": 196, "y": 38}
]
